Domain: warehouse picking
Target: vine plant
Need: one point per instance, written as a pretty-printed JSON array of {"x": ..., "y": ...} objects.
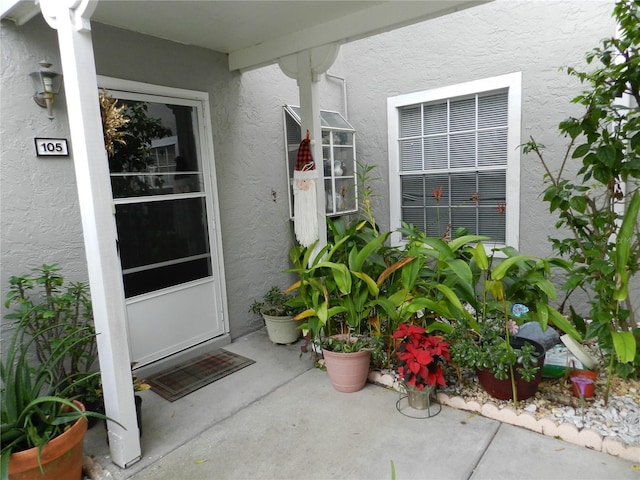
[{"x": 599, "y": 206}]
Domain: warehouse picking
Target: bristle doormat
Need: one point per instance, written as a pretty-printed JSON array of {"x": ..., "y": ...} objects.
[{"x": 189, "y": 376}]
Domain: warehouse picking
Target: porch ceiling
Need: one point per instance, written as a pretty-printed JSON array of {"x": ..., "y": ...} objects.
[{"x": 256, "y": 33}]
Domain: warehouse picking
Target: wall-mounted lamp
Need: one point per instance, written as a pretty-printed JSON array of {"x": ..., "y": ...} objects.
[{"x": 46, "y": 84}]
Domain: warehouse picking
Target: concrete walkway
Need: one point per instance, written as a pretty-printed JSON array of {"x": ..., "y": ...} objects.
[{"x": 281, "y": 419}]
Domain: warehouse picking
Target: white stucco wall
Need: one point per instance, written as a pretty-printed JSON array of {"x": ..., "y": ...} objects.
[
  {"x": 40, "y": 216},
  {"x": 497, "y": 38}
]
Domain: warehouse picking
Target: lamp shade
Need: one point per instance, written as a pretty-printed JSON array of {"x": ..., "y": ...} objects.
[{"x": 46, "y": 84}]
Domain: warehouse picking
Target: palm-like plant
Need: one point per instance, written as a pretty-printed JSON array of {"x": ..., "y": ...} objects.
[{"x": 36, "y": 405}]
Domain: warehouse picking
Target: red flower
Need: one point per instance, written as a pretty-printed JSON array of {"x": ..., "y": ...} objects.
[
  {"x": 419, "y": 356},
  {"x": 437, "y": 193}
]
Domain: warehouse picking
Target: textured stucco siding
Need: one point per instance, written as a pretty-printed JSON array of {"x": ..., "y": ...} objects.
[
  {"x": 501, "y": 37},
  {"x": 40, "y": 214}
]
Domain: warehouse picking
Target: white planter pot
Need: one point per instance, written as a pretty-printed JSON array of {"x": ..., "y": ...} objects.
[{"x": 281, "y": 330}]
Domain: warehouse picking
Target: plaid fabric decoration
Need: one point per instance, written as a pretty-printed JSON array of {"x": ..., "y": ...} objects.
[{"x": 304, "y": 160}]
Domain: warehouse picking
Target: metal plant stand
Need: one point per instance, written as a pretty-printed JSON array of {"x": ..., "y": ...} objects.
[{"x": 418, "y": 403}]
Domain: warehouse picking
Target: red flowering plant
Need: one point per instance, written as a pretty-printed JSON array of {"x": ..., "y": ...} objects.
[{"x": 420, "y": 356}]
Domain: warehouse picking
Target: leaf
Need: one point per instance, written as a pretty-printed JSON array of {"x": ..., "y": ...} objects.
[
  {"x": 500, "y": 271},
  {"x": 562, "y": 323},
  {"x": 439, "y": 326},
  {"x": 370, "y": 247},
  {"x": 306, "y": 314},
  {"x": 341, "y": 275},
  {"x": 623, "y": 247},
  {"x": 456, "y": 243},
  {"x": 200, "y": 462},
  {"x": 451, "y": 296},
  {"x": 461, "y": 269},
  {"x": 291, "y": 288},
  {"x": 438, "y": 245},
  {"x": 371, "y": 284},
  {"x": 581, "y": 150},
  {"x": 495, "y": 288},
  {"x": 480, "y": 256},
  {"x": 625, "y": 346},
  {"x": 607, "y": 155},
  {"x": 543, "y": 315},
  {"x": 546, "y": 286},
  {"x": 392, "y": 268},
  {"x": 578, "y": 203}
]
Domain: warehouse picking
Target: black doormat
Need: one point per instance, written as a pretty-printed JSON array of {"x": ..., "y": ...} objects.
[{"x": 181, "y": 380}]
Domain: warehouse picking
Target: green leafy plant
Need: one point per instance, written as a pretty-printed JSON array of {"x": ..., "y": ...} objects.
[
  {"x": 37, "y": 406},
  {"x": 341, "y": 287},
  {"x": 274, "y": 302},
  {"x": 471, "y": 296},
  {"x": 56, "y": 320},
  {"x": 600, "y": 207},
  {"x": 52, "y": 314}
]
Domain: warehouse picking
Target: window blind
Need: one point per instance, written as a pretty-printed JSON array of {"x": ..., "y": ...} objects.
[{"x": 453, "y": 160}]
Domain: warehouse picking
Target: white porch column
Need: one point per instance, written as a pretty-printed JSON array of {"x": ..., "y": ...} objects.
[
  {"x": 305, "y": 67},
  {"x": 71, "y": 19}
]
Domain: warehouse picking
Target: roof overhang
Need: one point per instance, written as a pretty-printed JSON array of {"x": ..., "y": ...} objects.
[{"x": 256, "y": 33}]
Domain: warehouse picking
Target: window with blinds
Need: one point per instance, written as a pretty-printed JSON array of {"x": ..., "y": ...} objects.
[{"x": 453, "y": 160}]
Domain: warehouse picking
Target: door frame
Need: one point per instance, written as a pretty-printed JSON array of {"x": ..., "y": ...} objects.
[{"x": 205, "y": 133}]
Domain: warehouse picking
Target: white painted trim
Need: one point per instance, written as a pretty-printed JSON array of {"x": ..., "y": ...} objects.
[
  {"x": 512, "y": 81},
  {"x": 141, "y": 88},
  {"x": 18, "y": 11},
  {"x": 99, "y": 230},
  {"x": 366, "y": 22}
]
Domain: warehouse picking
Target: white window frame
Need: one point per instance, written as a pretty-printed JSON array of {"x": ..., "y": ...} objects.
[{"x": 512, "y": 82}]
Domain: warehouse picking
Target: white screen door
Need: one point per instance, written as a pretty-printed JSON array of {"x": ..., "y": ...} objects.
[{"x": 163, "y": 209}]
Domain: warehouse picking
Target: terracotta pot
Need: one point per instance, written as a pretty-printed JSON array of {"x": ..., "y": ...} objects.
[
  {"x": 589, "y": 388},
  {"x": 61, "y": 458},
  {"x": 502, "y": 389},
  {"x": 281, "y": 330},
  {"x": 347, "y": 372}
]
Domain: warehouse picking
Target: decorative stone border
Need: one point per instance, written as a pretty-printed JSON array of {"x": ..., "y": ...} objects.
[{"x": 568, "y": 432}]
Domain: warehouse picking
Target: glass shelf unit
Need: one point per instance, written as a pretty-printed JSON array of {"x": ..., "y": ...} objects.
[{"x": 338, "y": 165}]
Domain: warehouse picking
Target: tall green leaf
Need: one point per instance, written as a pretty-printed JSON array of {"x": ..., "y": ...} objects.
[
  {"x": 625, "y": 346},
  {"x": 500, "y": 270},
  {"x": 623, "y": 247}
]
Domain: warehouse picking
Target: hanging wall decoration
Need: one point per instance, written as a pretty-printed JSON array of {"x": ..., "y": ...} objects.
[{"x": 304, "y": 195}]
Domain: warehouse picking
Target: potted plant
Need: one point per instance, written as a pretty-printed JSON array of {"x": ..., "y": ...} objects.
[
  {"x": 479, "y": 294},
  {"x": 43, "y": 425},
  {"x": 49, "y": 310},
  {"x": 507, "y": 367},
  {"x": 488, "y": 342},
  {"x": 278, "y": 316},
  {"x": 344, "y": 289},
  {"x": 338, "y": 290},
  {"x": 420, "y": 356}
]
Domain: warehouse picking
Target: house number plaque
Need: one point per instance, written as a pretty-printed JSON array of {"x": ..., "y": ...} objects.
[{"x": 52, "y": 147}]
